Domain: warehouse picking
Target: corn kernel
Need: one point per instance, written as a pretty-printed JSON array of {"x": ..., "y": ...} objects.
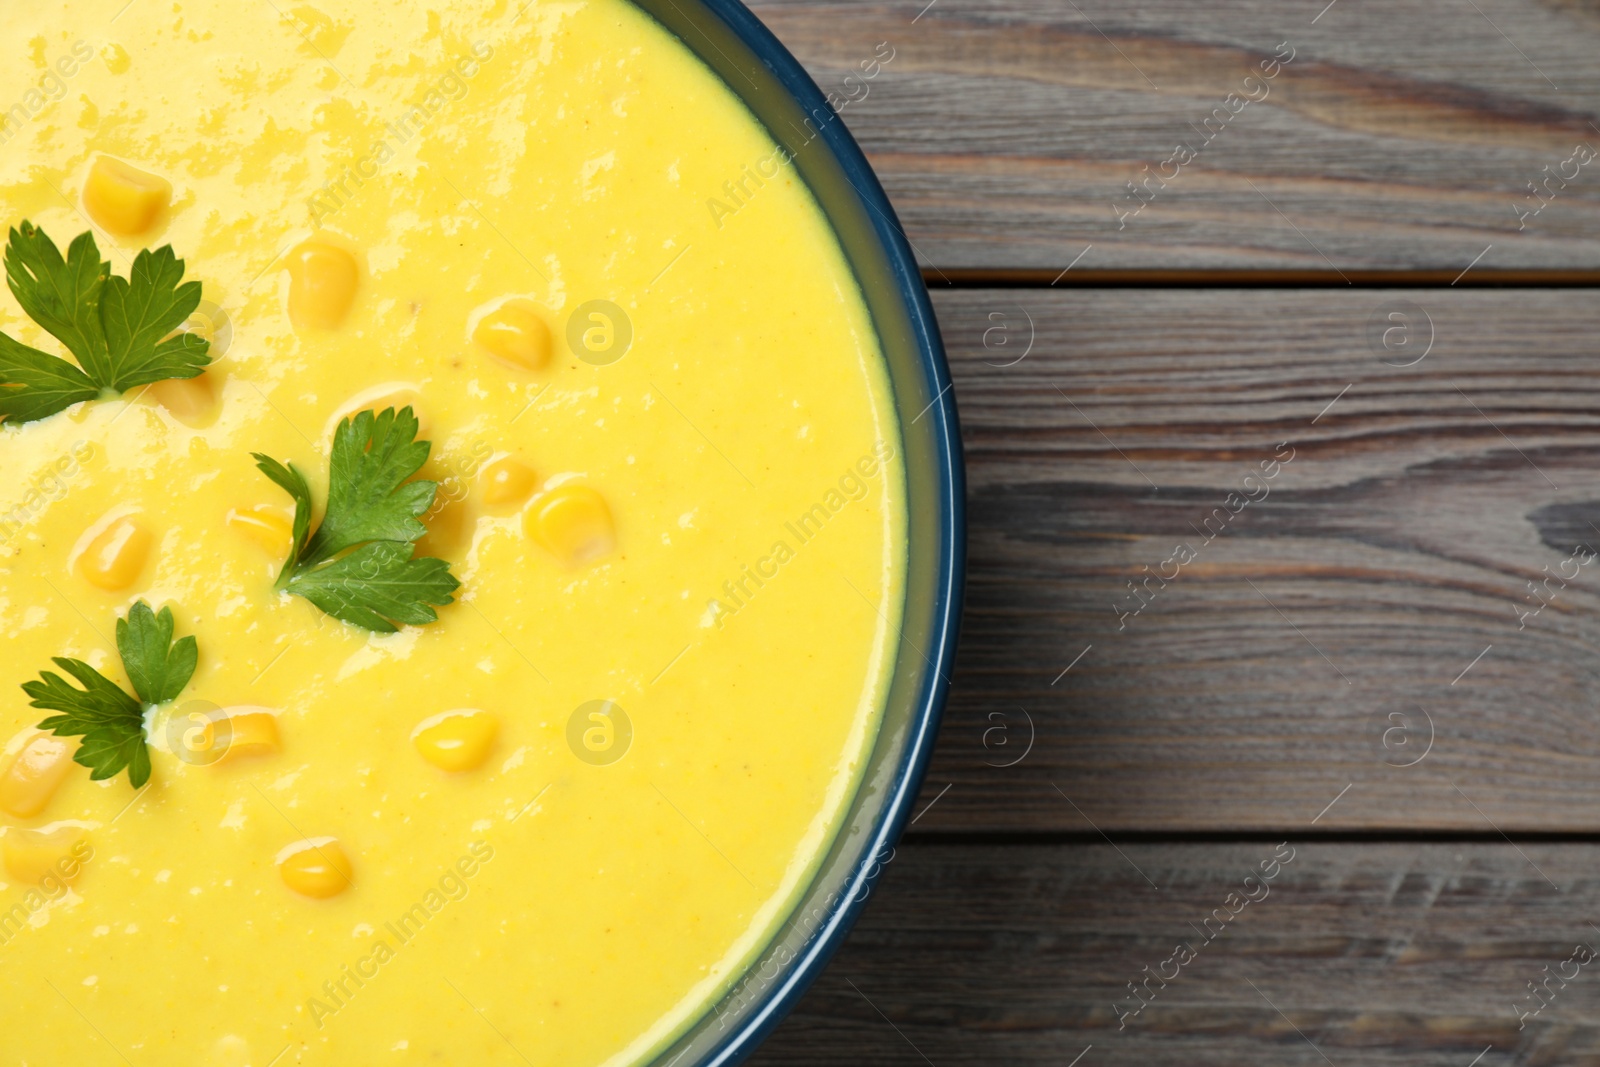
[
  {"x": 397, "y": 395},
  {"x": 506, "y": 482},
  {"x": 252, "y": 731},
  {"x": 124, "y": 199},
  {"x": 515, "y": 334},
  {"x": 55, "y": 851},
  {"x": 322, "y": 285},
  {"x": 316, "y": 867},
  {"x": 573, "y": 523},
  {"x": 116, "y": 556},
  {"x": 34, "y": 776},
  {"x": 189, "y": 400},
  {"x": 214, "y": 734},
  {"x": 457, "y": 740},
  {"x": 266, "y": 526}
]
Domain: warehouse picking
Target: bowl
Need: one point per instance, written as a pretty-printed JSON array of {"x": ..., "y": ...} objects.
[{"x": 783, "y": 98}]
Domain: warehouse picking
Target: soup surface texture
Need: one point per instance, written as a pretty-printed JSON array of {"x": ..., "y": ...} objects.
[{"x": 669, "y": 485}]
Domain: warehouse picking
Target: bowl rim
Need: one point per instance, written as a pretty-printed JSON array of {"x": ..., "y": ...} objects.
[{"x": 886, "y": 829}]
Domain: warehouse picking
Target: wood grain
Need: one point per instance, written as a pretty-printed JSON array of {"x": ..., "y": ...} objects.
[
  {"x": 1389, "y": 954},
  {"x": 1400, "y": 136},
  {"x": 1347, "y": 655},
  {"x": 1323, "y": 635}
]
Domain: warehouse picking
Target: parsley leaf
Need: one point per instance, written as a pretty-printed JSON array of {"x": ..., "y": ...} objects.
[
  {"x": 294, "y": 483},
  {"x": 63, "y": 296},
  {"x": 376, "y": 583},
  {"x": 374, "y": 510},
  {"x": 138, "y": 313},
  {"x": 36, "y": 386},
  {"x": 157, "y": 667},
  {"x": 110, "y": 721},
  {"x": 120, "y": 330},
  {"x": 372, "y": 456}
]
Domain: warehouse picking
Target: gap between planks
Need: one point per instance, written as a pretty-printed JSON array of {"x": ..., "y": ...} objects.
[
  {"x": 1483, "y": 278},
  {"x": 963, "y": 838}
]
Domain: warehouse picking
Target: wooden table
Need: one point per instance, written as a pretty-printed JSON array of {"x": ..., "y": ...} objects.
[{"x": 1273, "y": 737}]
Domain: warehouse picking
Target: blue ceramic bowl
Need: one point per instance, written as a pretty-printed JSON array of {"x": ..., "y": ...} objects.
[{"x": 777, "y": 90}]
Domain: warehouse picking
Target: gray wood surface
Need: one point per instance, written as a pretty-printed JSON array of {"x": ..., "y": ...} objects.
[
  {"x": 1321, "y": 636},
  {"x": 1357, "y": 954},
  {"x": 1401, "y": 135},
  {"x": 1384, "y": 658}
]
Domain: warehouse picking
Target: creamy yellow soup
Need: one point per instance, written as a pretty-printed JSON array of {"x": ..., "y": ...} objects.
[{"x": 550, "y": 827}]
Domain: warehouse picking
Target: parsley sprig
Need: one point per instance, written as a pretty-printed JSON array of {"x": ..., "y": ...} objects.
[
  {"x": 110, "y": 721},
  {"x": 358, "y": 565},
  {"x": 120, "y": 330}
]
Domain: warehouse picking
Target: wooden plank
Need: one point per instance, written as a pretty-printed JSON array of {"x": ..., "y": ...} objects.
[
  {"x": 1398, "y": 136},
  {"x": 1396, "y": 954},
  {"x": 1333, "y": 637}
]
